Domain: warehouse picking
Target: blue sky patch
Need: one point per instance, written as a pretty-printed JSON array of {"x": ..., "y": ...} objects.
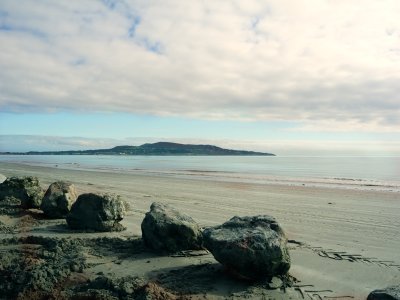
[
  {"x": 79, "y": 62},
  {"x": 135, "y": 24}
]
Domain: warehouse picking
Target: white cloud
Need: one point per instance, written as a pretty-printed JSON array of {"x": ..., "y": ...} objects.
[
  {"x": 321, "y": 62},
  {"x": 24, "y": 143}
]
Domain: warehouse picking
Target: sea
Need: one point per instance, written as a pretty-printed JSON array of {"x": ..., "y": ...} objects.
[{"x": 373, "y": 173}]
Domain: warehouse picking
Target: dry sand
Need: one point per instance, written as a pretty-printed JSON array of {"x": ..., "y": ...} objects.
[{"x": 344, "y": 242}]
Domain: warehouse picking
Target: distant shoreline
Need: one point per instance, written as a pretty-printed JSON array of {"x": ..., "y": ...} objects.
[
  {"x": 105, "y": 154},
  {"x": 155, "y": 149}
]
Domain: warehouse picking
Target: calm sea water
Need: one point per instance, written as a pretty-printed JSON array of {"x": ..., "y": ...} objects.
[{"x": 362, "y": 171}]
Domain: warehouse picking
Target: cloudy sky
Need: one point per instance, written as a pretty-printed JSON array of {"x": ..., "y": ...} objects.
[{"x": 285, "y": 76}]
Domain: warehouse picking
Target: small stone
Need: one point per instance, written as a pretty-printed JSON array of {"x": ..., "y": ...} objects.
[
  {"x": 74, "y": 267},
  {"x": 275, "y": 283}
]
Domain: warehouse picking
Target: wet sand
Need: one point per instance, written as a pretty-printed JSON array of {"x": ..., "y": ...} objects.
[{"x": 344, "y": 242}]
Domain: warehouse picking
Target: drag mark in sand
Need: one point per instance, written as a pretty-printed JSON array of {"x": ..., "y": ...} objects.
[{"x": 342, "y": 255}]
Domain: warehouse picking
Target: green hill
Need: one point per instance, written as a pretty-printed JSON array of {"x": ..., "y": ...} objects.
[{"x": 160, "y": 148}]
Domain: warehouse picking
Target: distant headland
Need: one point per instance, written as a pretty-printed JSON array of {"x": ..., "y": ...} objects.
[{"x": 160, "y": 148}]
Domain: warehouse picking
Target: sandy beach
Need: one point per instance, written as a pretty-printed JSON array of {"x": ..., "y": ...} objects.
[{"x": 344, "y": 243}]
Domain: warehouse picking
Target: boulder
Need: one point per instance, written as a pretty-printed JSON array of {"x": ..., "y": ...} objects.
[
  {"x": 252, "y": 248},
  {"x": 164, "y": 229},
  {"x": 97, "y": 212},
  {"x": 58, "y": 199},
  {"x": 27, "y": 189},
  {"x": 389, "y": 293}
]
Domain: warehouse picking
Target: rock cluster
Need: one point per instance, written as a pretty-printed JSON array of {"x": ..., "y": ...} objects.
[
  {"x": 97, "y": 212},
  {"x": 250, "y": 247},
  {"x": 164, "y": 229},
  {"x": 88, "y": 212},
  {"x": 58, "y": 199},
  {"x": 27, "y": 189}
]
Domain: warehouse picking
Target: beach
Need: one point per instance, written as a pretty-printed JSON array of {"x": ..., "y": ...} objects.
[
  {"x": 344, "y": 241},
  {"x": 176, "y": 150}
]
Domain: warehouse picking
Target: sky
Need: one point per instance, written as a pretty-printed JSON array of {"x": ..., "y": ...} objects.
[{"x": 307, "y": 77}]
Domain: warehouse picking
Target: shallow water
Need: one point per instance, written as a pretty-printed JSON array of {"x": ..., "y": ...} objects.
[{"x": 366, "y": 172}]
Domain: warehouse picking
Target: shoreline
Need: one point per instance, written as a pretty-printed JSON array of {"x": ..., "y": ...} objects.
[
  {"x": 362, "y": 223},
  {"x": 231, "y": 176}
]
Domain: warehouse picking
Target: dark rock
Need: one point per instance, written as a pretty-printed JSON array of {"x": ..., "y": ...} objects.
[
  {"x": 389, "y": 293},
  {"x": 250, "y": 247},
  {"x": 6, "y": 229},
  {"x": 152, "y": 291},
  {"x": 27, "y": 189},
  {"x": 36, "y": 265},
  {"x": 58, "y": 199},
  {"x": 121, "y": 287},
  {"x": 97, "y": 212},
  {"x": 165, "y": 229},
  {"x": 10, "y": 206}
]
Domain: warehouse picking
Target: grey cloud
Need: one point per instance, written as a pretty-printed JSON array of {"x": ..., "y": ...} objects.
[
  {"x": 52, "y": 143},
  {"x": 202, "y": 59}
]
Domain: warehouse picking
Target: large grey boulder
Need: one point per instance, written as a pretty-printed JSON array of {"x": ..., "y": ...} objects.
[
  {"x": 164, "y": 229},
  {"x": 97, "y": 212},
  {"x": 58, "y": 199},
  {"x": 27, "y": 189},
  {"x": 251, "y": 248},
  {"x": 389, "y": 293}
]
